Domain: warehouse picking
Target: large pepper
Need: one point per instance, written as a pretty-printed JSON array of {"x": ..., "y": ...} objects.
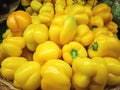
[
  {"x": 17, "y": 21},
  {"x": 73, "y": 50},
  {"x": 104, "y": 45},
  {"x": 27, "y": 76},
  {"x": 89, "y": 74},
  {"x": 35, "y": 34},
  {"x": 46, "y": 51},
  {"x": 62, "y": 29},
  {"x": 56, "y": 75},
  {"x": 113, "y": 66},
  {"x": 104, "y": 11},
  {"x": 10, "y": 64},
  {"x": 11, "y": 46},
  {"x": 84, "y": 35}
]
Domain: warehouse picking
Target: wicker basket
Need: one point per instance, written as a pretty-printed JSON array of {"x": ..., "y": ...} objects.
[{"x": 7, "y": 85}]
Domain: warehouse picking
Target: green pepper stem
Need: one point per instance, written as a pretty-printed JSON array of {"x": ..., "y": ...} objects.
[
  {"x": 95, "y": 46},
  {"x": 74, "y": 53}
]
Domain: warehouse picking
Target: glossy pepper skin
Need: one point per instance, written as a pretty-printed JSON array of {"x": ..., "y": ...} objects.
[
  {"x": 27, "y": 76},
  {"x": 113, "y": 66},
  {"x": 56, "y": 75},
  {"x": 104, "y": 11},
  {"x": 11, "y": 46},
  {"x": 35, "y": 34},
  {"x": 84, "y": 35},
  {"x": 62, "y": 29},
  {"x": 18, "y": 21},
  {"x": 46, "y": 51},
  {"x": 103, "y": 46},
  {"x": 89, "y": 74},
  {"x": 73, "y": 50},
  {"x": 10, "y": 64}
]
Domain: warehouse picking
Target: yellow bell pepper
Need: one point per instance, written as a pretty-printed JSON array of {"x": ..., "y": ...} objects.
[
  {"x": 59, "y": 5},
  {"x": 82, "y": 14},
  {"x": 35, "y": 34},
  {"x": 82, "y": 19},
  {"x": 104, "y": 11},
  {"x": 10, "y": 64},
  {"x": 89, "y": 74},
  {"x": 35, "y": 19},
  {"x": 113, "y": 66},
  {"x": 84, "y": 35},
  {"x": 17, "y": 21},
  {"x": 27, "y": 76},
  {"x": 46, "y": 13},
  {"x": 103, "y": 46},
  {"x": 46, "y": 51},
  {"x": 78, "y": 9},
  {"x": 73, "y": 50},
  {"x": 35, "y": 5},
  {"x": 95, "y": 22},
  {"x": 56, "y": 75},
  {"x": 12, "y": 46},
  {"x": 102, "y": 30},
  {"x": 7, "y": 34},
  {"x": 63, "y": 29},
  {"x": 112, "y": 27}
]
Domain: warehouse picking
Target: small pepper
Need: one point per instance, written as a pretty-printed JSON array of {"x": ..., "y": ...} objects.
[
  {"x": 46, "y": 51},
  {"x": 56, "y": 75},
  {"x": 10, "y": 64},
  {"x": 103, "y": 46},
  {"x": 73, "y": 50},
  {"x": 84, "y": 35},
  {"x": 35, "y": 5},
  {"x": 35, "y": 34},
  {"x": 59, "y": 5},
  {"x": 89, "y": 74},
  {"x": 46, "y": 13},
  {"x": 27, "y": 76},
  {"x": 7, "y": 34}
]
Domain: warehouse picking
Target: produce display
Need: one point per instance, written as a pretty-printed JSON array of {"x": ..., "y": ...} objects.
[{"x": 61, "y": 45}]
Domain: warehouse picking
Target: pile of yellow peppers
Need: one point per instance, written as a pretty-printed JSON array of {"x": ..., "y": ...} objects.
[{"x": 64, "y": 46}]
